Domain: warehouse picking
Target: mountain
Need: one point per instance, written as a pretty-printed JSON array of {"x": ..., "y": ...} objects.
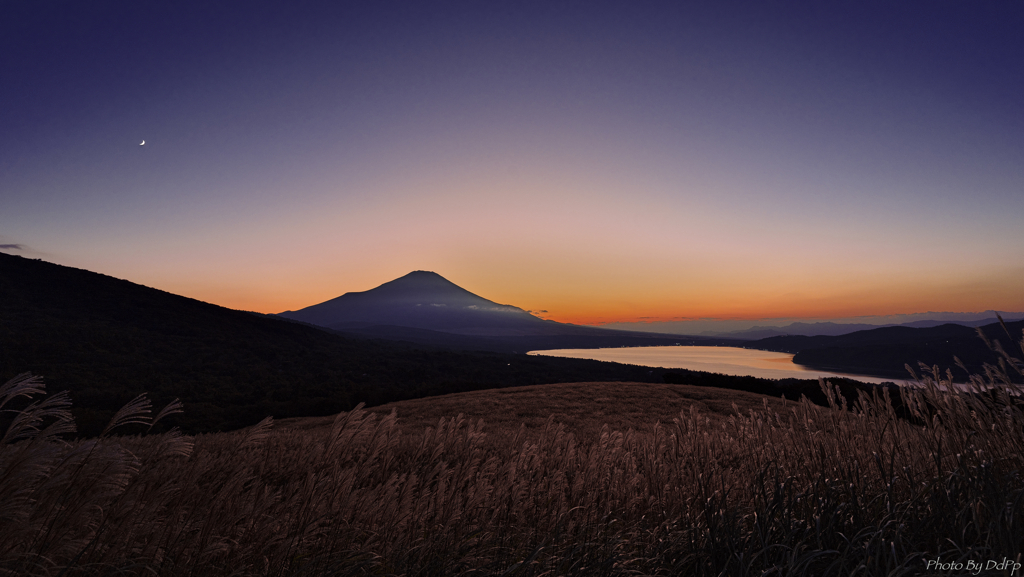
[
  {"x": 806, "y": 329},
  {"x": 424, "y": 307},
  {"x": 884, "y": 351},
  {"x": 837, "y": 329},
  {"x": 422, "y": 300}
]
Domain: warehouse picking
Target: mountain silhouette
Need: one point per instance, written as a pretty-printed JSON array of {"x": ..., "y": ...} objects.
[
  {"x": 423, "y": 300},
  {"x": 424, "y": 307},
  {"x": 884, "y": 351}
]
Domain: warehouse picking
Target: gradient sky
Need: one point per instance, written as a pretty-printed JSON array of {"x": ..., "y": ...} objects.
[{"x": 601, "y": 162}]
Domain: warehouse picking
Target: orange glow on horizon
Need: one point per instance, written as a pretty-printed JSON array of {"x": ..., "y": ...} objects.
[{"x": 597, "y": 308}]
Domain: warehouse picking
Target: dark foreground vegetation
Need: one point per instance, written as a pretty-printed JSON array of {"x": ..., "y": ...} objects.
[
  {"x": 798, "y": 490},
  {"x": 791, "y": 389}
]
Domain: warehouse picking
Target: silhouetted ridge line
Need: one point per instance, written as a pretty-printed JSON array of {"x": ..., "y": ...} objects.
[{"x": 884, "y": 351}]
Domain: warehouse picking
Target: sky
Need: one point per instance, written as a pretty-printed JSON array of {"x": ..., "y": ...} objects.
[{"x": 593, "y": 162}]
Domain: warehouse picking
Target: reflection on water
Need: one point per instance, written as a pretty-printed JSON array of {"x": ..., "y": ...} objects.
[{"x": 725, "y": 360}]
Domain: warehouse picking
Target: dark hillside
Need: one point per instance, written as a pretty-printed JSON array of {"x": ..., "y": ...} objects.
[
  {"x": 107, "y": 340},
  {"x": 579, "y": 338},
  {"x": 884, "y": 351}
]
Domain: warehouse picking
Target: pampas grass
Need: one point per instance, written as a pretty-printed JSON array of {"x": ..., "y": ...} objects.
[{"x": 866, "y": 489}]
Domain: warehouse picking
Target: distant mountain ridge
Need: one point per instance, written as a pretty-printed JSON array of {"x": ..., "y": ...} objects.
[
  {"x": 767, "y": 327},
  {"x": 832, "y": 329},
  {"x": 884, "y": 351}
]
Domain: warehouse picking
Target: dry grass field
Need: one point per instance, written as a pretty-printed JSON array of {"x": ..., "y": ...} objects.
[
  {"x": 584, "y": 479},
  {"x": 583, "y": 408}
]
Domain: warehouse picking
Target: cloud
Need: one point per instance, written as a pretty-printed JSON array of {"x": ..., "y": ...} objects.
[
  {"x": 24, "y": 249},
  {"x": 497, "y": 309}
]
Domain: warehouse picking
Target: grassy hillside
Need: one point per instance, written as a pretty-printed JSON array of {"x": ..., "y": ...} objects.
[
  {"x": 577, "y": 480},
  {"x": 582, "y": 407}
]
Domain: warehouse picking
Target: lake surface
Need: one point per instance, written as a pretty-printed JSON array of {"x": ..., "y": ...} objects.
[{"x": 725, "y": 360}]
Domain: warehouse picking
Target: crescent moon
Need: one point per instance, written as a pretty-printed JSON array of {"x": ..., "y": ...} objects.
[{"x": 143, "y": 143}]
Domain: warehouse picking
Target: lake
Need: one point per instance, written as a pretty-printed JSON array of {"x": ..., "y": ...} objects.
[{"x": 724, "y": 360}]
